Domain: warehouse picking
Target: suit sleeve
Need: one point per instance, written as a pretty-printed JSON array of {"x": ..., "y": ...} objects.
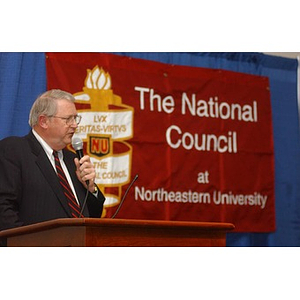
[
  {"x": 10, "y": 187},
  {"x": 95, "y": 204}
]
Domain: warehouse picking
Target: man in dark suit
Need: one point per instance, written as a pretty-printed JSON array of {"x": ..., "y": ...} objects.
[{"x": 30, "y": 190}]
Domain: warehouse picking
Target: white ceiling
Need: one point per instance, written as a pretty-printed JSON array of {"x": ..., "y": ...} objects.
[{"x": 285, "y": 54}]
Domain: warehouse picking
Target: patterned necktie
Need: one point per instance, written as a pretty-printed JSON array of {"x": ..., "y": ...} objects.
[{"x": 75, "y": 208}]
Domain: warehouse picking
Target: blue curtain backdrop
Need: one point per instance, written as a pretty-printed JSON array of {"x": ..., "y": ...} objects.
[{"x": 23, "y": 78}]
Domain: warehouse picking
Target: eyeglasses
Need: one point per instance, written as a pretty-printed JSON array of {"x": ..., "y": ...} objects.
[{"x": 70, "y": 120}]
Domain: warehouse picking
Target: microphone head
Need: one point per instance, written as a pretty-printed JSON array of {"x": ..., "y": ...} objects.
[{"x": 77, "y": 143}]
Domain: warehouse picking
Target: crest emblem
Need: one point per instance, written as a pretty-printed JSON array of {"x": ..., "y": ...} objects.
[
  {"x": 99, "y": 146},
  {"x": 106, "y": 126}
]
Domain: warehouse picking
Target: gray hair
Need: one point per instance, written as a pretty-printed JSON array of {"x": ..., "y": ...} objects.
[{"x": 46, "y": 104}]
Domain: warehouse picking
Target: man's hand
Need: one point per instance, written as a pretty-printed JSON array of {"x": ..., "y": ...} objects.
[{"x": 85, "y": 171}]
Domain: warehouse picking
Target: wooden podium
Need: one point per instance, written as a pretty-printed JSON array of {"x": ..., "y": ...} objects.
[{"x": 118, "y": 232}]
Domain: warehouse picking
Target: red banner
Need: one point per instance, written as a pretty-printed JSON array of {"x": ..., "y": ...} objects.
[{"x": 200, "y": 139}]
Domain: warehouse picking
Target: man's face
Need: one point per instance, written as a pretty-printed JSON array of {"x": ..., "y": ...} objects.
[{"x": 60, "y": 132}]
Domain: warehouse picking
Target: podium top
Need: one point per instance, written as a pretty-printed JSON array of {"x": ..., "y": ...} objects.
[{"x": 94, "y": 222}]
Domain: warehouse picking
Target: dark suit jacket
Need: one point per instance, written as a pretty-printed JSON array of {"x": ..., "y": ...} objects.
[{"x": 29, "y": 188}]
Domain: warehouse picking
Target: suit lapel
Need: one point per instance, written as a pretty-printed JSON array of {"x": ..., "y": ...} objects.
[{"x": 47, "y": 170}]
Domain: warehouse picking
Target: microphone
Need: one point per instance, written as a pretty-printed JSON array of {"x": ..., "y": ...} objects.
[
  {"x": 77, "y": 145},
  {"x": 126, "y": 192}
]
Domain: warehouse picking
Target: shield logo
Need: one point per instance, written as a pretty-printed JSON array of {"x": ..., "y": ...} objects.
[{"x": 99, "y": 146}]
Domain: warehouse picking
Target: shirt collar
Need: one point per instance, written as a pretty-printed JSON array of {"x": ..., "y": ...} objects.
[{"x": 46, "y": 147}]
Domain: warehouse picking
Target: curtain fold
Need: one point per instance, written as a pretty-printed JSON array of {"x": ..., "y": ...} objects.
[{"x": 22, "y": 79}]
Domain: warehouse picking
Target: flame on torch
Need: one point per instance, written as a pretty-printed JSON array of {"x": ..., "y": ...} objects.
[{"x": 98, "y": 79}]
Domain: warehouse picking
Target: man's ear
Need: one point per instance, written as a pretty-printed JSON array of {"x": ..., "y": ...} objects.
[{"x": 43, "y": 121}]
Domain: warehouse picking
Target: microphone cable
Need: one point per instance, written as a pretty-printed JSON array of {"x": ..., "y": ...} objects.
[
  {"x": 126, "y": 192},
  {"x": 84, "y": 202}
]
